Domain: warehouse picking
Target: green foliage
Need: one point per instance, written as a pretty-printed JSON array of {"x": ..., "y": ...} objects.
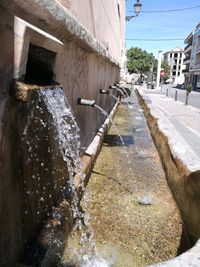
[
  {"x": 189, "y": 88},
  {"x": 139, "y": 61}
]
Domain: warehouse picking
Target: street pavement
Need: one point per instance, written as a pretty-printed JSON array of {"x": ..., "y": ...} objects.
[
  {"x": 186, "y": 119},
  {"x": 194, "y": 97}
]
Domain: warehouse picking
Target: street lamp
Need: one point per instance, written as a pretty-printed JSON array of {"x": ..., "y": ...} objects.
[{"x": 137, "y": 9}]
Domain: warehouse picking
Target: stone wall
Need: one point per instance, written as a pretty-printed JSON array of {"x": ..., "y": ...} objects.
[
  {"x": 83, "y": 66},
  {"x": 103, "y": 19}
]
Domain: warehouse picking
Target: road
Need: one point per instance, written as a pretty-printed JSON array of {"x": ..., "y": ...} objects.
[{"x": 194, "y": 97}]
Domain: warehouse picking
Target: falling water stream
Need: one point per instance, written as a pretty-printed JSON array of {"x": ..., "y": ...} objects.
[
  {"x": 114, "y": 97},
  {"x": 115, "y": 127},
  {"x": 122, "y": 194},
  {"x": 69, "y": 143},
  {"x": 125, "y": 96}
]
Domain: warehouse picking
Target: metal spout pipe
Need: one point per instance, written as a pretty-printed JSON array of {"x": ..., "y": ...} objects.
[
  {"x": 104, "y": 92},
  {"x": 112, "y": 87},
  {"x": 85, "y": 102}
]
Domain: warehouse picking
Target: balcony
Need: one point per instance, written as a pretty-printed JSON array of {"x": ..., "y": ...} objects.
[
  {"x": 197, "y": 51},
  {"x": 188, "y": 48},
  {"x": 186, "y": 60},
  {"x": 185, "y": 71},
  {"x": 196, "y": 66}
]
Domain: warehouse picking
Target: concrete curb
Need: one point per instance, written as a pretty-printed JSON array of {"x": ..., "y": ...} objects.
[
  {"x": 182, "y": 169},
  {"x": 189, "y": 258}
]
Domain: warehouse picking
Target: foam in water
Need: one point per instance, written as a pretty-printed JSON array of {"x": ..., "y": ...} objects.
[
  {"x": 96, "y": 262},
  {"x": 69, "y": 144}
]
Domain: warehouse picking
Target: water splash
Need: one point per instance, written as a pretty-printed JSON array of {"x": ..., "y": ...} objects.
[
  {"x": 97, "y": 263},
  {"x": 69, "y": 143}
]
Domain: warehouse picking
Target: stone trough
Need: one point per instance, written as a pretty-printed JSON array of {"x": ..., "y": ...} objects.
[{"x": 183, "y": 175}]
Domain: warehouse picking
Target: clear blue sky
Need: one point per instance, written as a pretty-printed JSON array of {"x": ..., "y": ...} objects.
[{"x": 161, "y": 25}]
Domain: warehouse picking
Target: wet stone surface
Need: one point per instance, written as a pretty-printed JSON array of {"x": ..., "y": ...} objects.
[{"x": 134, "y": 217}]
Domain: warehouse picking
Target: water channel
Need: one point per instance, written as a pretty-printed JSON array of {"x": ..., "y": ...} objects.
[{"x": 134, "y": 218}]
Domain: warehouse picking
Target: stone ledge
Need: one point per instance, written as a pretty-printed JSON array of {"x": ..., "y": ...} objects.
[
  {"x": 23, "y": 91},
  {"x": 182, "y": 170},
  {"x": 189, "y": 258},
  {"x": 53, "y": 18}
]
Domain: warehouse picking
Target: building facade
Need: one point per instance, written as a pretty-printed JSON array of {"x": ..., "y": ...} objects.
[
  {"x": 194, "y": 68},
  {"x": 176, "y": 56},
  {"x": 188, "y": 52}
]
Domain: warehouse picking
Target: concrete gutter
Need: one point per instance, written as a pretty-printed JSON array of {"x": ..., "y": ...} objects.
[
  {"x": 53, "y": 18},
  {"x": 182, "y": 168}
]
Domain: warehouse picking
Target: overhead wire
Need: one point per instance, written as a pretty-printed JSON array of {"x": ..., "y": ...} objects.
[
  {"x": 157, "y": 40},
  {"x": 167, "y": 10}
]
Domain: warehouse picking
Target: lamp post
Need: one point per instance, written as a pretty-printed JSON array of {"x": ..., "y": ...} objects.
[
  {"x": 158, "y": 70},
  {"x": 137, "y": 8}
]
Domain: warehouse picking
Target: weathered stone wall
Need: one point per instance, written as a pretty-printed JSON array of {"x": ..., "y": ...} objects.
[
  {"x": 103, "y": 19},
  {"x": 28, "y": 189}
]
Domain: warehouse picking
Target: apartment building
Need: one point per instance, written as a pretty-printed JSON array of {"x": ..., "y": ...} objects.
[
  {"x": 188, "y": 51},
  {"x": 194, "y": 68},
  {"x": 177, "y": 55}
]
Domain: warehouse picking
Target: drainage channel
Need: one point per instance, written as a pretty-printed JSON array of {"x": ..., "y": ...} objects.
[{"x": 134, "y": 217}]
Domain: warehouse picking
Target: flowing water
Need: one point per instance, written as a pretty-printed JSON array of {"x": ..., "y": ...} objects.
[
  {"x": 134, "y": 218},
  {"x": 115, "y": 127},
  {"x": 124, "y": 90},
  {"x": 125, "y": 96},
  {"x": 121, "y": 92},
  {"x": 114, "y": 97},
  {"x": 133, "y": 214},
  {"x": 69, "y": 143}
]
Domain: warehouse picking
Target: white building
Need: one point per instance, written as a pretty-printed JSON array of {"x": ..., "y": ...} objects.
[{"x": 177, "y": 54}]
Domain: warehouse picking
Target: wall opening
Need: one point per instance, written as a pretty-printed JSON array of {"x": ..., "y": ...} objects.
[{"x": 40, "y": 65}]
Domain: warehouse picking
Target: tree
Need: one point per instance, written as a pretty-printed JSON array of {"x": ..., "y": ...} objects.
[{"x": 139, "y": 61}]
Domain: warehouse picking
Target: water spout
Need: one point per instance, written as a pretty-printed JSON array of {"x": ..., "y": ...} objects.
[
  {"x": 114, "y": 97},
  {"x": 104, "y": 92},
  {"x": 122, "y": 88},
  {"x": 85, "y": 102},
  {"x": 117, "y": 89}
]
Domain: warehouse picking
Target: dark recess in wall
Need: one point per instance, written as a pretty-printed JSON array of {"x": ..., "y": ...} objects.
[{"x": 40, "y": 66}]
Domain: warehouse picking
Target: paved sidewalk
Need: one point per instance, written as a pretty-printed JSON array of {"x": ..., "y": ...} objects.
[
  {"x": 186, "y": 119},
  {"x": 194, "y": 97}
]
